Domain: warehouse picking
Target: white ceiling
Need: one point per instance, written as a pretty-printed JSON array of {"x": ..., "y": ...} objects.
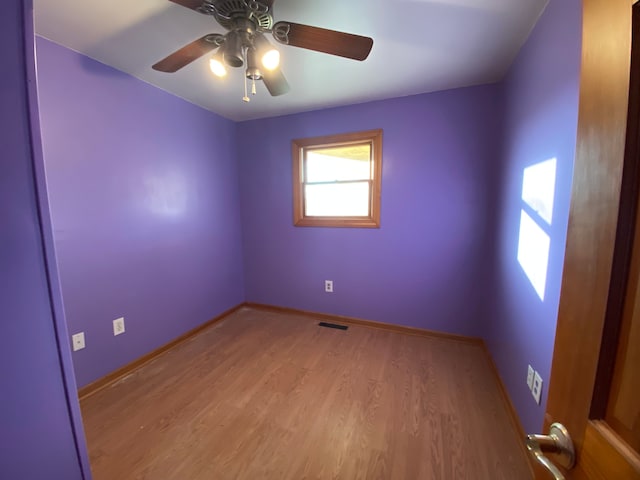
[{"x": 419, "y": 46}]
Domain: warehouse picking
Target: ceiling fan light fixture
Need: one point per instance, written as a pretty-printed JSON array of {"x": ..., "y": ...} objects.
[
  {"x": 253, "y": 72},
  {"x": 271, "y": 59},
  {"x": 232, "y": 55},
  {"x": 269, "y": 56},
  {"x": 216, "y": 64},
  {"x": 217, "y": 67}
]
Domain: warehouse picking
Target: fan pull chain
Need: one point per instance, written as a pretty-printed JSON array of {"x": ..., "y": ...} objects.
[
  {"x": 246, "y": 98},
  {"x": 253, "y": 86}
]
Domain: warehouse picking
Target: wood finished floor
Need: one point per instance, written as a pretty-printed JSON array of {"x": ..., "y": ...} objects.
[{"x": 265, "y": 395}]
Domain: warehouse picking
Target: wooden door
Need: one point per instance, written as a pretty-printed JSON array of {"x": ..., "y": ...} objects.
[{"x": 595, "y": 379}]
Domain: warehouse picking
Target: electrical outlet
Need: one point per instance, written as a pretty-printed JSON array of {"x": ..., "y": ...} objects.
[
  {"x": 118, "y": 326},
  {"x": 77, "y": 341},
  {"x": 530, "y": 373},
  {"x": 536, "y": 390},
  {"x": 328, "y": 286}
]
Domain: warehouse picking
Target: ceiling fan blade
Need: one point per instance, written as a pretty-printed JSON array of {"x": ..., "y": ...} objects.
[
  {"x": 322, "y": 40},
  {"x": 192, "y": 4},
  {"x": 275, "y": 82},
  {"x": 187, "y": 54}
]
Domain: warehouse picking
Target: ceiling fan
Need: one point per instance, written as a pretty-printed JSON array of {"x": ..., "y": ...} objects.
[{"x": 245, "y": 42}]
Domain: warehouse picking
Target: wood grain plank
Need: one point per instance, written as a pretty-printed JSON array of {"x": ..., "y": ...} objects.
[
  {"x": 367, "y": 323},
  {"x": 271, "y": 395},
  {"x": 125, "y": 370}
]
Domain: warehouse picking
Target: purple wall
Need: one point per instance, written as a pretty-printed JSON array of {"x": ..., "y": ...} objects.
[
  {"x": 148, "y": 214},
  {"x": 541, "y": 109},
  {"x": 144, "y": 200},
  {"x": 424, "y": 267},
  {"x": 37, "y": 436}
]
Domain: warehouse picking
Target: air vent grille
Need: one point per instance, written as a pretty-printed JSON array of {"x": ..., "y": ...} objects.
[{"x": 332, "y": 325}]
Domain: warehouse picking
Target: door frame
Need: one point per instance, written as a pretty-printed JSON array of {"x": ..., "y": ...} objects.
[
  {"x": 48, "y": 246},
  {"x": 592, "y": 283}
]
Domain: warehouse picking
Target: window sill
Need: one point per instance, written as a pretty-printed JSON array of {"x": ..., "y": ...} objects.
[{"x": 337, "y": 222}]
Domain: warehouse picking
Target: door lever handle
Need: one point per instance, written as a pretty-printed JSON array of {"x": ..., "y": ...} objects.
[{"x": 558, "y": 442}]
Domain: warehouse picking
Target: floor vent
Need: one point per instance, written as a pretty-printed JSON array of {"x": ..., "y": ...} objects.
[{"x": 333, "y": 325}]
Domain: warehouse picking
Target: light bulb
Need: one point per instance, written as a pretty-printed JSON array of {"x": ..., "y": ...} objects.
[
  {"x": 271, "y": 59},
  {"x": 217, "y": 67}
]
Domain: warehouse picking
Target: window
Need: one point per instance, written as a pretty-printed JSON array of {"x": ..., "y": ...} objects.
[{"x": 336, "y": 180}]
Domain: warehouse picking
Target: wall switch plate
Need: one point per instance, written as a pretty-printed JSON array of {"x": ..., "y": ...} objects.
[
  {"x": 78, "y": 341},
  {"x": 530, "y": 373},
  {"x": 328, "y": 286},
  {"x": 118, "y": 326},
  {"x": 536, "y": 390}
]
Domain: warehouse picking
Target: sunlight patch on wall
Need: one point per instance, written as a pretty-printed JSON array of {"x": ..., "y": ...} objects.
[
  {"x": 533, "y": 252},
  {"x": 538, "y": 186}
]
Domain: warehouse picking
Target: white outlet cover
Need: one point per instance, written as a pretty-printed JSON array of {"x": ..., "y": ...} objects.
[
  {"x": 536, "y": 390},
  {"x": 328, "y": 286},
  {"x": 77, "y": 341},
  {"x": 118, "y": 326},
  {"x": 530, "y": 373}
]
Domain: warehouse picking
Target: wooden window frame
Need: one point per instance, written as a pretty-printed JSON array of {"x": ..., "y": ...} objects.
[{"x": 299, "y": 148}]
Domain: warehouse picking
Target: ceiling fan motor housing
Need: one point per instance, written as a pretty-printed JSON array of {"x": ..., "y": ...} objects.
[{"x": 227, "y": 12}]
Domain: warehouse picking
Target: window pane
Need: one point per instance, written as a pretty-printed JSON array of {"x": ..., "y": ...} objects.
[
  {"x": 352, "y": 162},
  {"x": 337, "y": 200}
]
